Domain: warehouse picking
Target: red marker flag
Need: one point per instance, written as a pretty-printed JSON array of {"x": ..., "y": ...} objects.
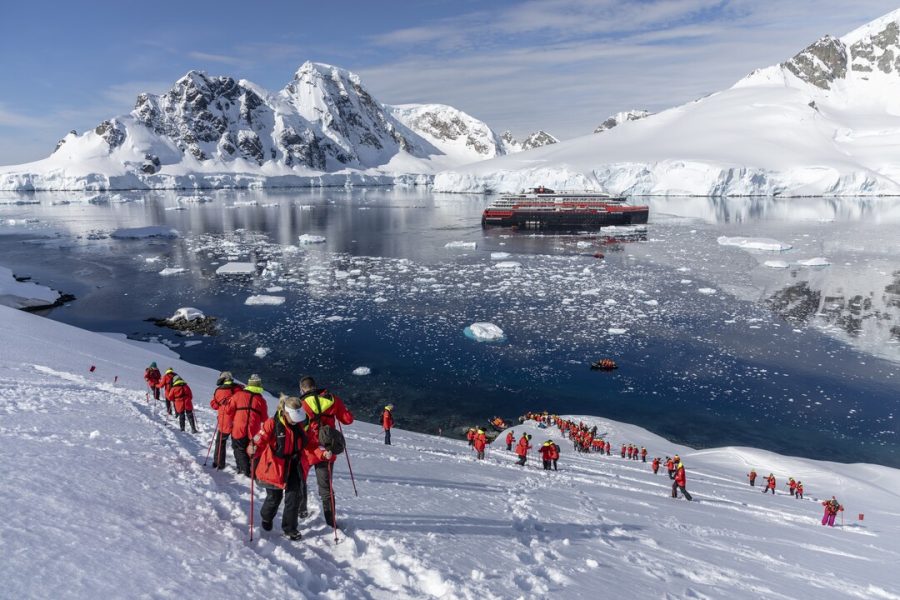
[{"x": 92, "y": 368}]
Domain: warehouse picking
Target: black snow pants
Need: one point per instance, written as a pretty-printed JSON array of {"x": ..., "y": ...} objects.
[
  {"x": 190, "y": 418},
  {"x": 219, "y": 456},
  {"x": 676, "y": 487},
  {"x": 292, "y": 492},
  {"x": 387, "y": 437},
  {"x": 324, "y": 485},
  {"x": 241, "y": 458}
]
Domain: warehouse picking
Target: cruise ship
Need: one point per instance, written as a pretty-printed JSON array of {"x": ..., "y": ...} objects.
[{"x": 543, "y": 209}]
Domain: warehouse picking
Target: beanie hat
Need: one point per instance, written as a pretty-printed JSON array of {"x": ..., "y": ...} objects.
[
  {"x": 254, "y": 381},
  {"x": 153, "y": 365},
  {"x": 225, "y": 376}
]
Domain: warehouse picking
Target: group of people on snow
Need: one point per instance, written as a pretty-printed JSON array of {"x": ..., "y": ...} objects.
[
  {"x": 795, "y": 488},
  {"x": 277, "y": 451}
]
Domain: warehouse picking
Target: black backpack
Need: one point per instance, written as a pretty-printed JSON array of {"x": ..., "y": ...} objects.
[{"x": 331, "y": 439}]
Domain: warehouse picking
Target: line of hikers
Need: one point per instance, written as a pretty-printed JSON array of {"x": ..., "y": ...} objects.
[
  {"x": 303, "y": 433},
  {"x": 584, "y": 438},
  {"x": 795, "y": 488}
]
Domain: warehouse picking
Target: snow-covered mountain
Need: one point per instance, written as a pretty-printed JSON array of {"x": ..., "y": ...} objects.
[
  {"x": 621, "y": 117},
  {"x": 324, "y": 127},
  {"x": 130, "y": 494},
  {"x": 825, "y": 122},
  {"x": 534, "y": 140}
]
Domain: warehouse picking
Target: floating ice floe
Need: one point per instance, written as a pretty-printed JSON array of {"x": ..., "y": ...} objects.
[
  {"x": 484, "y": 332},
  {"x": 707, "y": 291},
  {"x": 616, "y": 330},
  {"x": 187, "y": 313},
  {"x": 172, "y": 271},
  {"x": 237, "y": 268},
  {"x": 777, "y": 264},
  {"x": 195, "y": 199},
  {"x": 308, "y": 238},
  {"x": 140, "y": 233},
  {"x": 23, "y": 294},
  {"x": 263, "y": 300},
  {"x": 499, "y": 255},
  {"x": 460, "y": 244},
  {"x": 819, "y": 261},
  {"x": 746, "y": 243},
  {"x": 508, "y": 264},
  {"x": 245, "y": 203},
  {"x": 274, "y": 289},
  {"x": 362, "y": 371},
  {"x": 261, "y": 352}
]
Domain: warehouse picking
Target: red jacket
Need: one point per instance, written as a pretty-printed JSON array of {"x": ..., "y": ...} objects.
[
  {"x": 180, "y": 393},
  {"x": 387, "y": 419},
  {"x": 643, "y": 453},
  {"x": 752, "y": 475},
  {"x": 771, "y": 483},
  {"x": 523, "y": 446},
  {"x": 480, "y": 442},
  {"x": 323, "y": 408},
  {"x": 655, "y": 463},
  {"x": 166, "y": 381},
  {"x": 547, "y": 451},
  {"x": 607, "y": 447},
  {"x": 220, "y": 400},
  {"x": 152, "y": 376},
  {"x": 248, "y": 410},
  {"x": 670, "y": 465},
  {"x": 510, "y": 438},
  {"x": 273, "y": 455},
  {"x": 680, "y": 477}
]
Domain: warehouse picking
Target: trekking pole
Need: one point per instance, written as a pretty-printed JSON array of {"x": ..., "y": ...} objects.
[
  {"x": 215, "y": 435},
  {"x": 333, "y": 512},
  {"x": 251, "y": 500},
  {"x": 347, "y": 456}
]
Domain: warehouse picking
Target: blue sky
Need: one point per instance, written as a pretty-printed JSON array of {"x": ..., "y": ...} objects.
[{"x": 558, "y": 65}]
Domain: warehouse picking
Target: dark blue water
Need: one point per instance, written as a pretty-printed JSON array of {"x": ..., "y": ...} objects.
[{"x": 384, "y": 292}]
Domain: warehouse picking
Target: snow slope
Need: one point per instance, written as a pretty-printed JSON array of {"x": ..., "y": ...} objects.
[
  {"x": 825, "y": 122},
  {"x": 24, "y": 294},
  {"x": 109, "y": 499}
]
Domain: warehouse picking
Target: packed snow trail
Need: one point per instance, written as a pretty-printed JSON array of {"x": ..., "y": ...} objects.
[{"x": 110, "y": 498}]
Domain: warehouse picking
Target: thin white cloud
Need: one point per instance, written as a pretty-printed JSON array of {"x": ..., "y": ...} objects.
[
  {"x": 217, "y": 58},
  {"x": 17, "y": 120}
]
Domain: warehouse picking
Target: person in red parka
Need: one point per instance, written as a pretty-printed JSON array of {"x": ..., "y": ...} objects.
[
  {"x": 226, "y": 387},
  {"x": 623, "y": 450},
  {"x": 546, "y": 451},
  {"x": 480, "y": 443},
  {"x": 280, "y": 449},
  {"x": 670, "y": 467},
  {"x": 655, "y": 465},
  {"x": 182, "y": 399},
  {"x": 798, "y": 494},
  {"x": 554, "y": 456},
  {"x": 323, "y": 409},
  {"x": 387, "y": 421},
  {"x": 770, "y": 484},
  {"x": 152, "y": 377},
  {"x": 522, "y": 449},
  {"x": 680, "y": 482},
  {"x": 607, "y": 448},
  {"x": 470, "y": 435},
  {"x": 752, "y": 476},
  {"x": 643, "y": 454},
  {"x": 166, "y": 384},
  {"x": 247, "y": 410},
  {"x": 510, "y": 438}
]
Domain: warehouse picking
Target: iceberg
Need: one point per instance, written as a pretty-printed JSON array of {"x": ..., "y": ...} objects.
[
  {"x": 484, "y": 332},
  {"x": 745, "y": 243}
]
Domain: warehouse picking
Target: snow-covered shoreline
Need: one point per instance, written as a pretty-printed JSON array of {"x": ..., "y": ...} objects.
[{"x": 131, "y": 489}]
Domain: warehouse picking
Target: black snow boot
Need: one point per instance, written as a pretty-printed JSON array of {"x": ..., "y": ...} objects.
[
  {"x": 294, "y": 536},
  {"x": 267, "y": 525},
  {"x": 192, "y": 422},
  {"x": 329, "y": 518}
]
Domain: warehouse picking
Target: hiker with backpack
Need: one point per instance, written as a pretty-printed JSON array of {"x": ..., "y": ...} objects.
[
  {"x": 280, "y": 449},
  {"x": 324, "y": 411},
  {"x": 680, "y": 481},
  {"x": 152, "y": 377},
  {"x": 387, "y": 421},
  {"x": 247, "y": 411}
]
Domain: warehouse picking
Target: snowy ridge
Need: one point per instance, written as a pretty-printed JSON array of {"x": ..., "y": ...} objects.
[
  {"x": 428, "y": 514},
  {"x": 824, "y": 122},
  {"x": 323, "y": 129},
  {"x": 621, "y": 117}
]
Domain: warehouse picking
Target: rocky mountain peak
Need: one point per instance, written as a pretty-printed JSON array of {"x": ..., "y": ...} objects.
[
  {"x": 621, "y": 117},
  {"x": 534, "y": 140},
  {"x": 820, "y": 63}
]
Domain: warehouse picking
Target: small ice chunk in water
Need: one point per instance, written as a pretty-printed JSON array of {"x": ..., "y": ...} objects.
[
  {"x": 777, "y": 264},
  {"x": 616, "y": 331},
  {"x": 484, "y": 332},
  {"x": 362, "y": 371},
  {"x": 819, "y": 261},
  {"x": 746, "y": 243},
  {"x": 172, "y": 271},
  {"x": 308, "y": 238},
  {"x": 261, "y": 352},
  {"x": 707, "y": 291},
  {"x": 508, "y": 264},
  {"x": 263, "y": 300},
  {"x": 499, "y": 255},
  {"x": 460, "y": 244},
  {"x": 237, "y": 268}
]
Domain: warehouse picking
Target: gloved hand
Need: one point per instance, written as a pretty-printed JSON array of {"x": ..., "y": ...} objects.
[{"x": 251, "y": 449}]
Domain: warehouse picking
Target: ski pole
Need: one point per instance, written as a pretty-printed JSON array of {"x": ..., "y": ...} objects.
[
  {"x": 333, "y": 515},
  {"x": 347, "y": 456}
]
